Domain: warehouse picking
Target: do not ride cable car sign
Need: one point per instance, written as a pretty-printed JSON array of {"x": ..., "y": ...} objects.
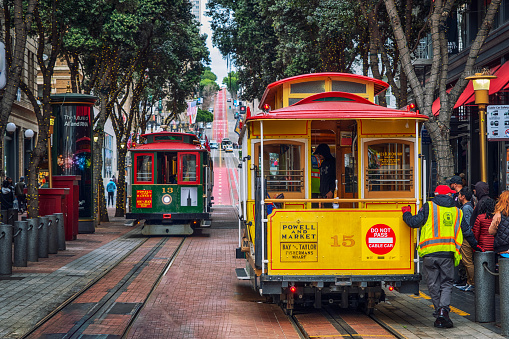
[{"x": 380, "y": 239}]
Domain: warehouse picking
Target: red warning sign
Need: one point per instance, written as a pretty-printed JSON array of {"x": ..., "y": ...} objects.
[{"x": 380, "y": 239}]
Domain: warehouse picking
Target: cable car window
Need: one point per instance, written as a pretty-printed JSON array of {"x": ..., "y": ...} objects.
[
  {"x": 292, "y": 101},
  {"x": 348, "y": 87},
  {"x": 189, "y": 172},
  {"x": 144, "y": 168},
  {"x": 389, "y": 167},
  {"x": 308, "y": 87},
  {"x": 168, "y": 138},
  {"x": 167, "y": 168},
  {"x": 283, "y": 167}
]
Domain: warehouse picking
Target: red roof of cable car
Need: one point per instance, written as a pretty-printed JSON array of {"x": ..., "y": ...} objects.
[
  {"x": 355, "y": 107},
  {"x": 271, "y": 89},
  {"x": 168, "y": 144}
]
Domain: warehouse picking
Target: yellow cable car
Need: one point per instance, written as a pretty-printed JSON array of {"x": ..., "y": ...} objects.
[{"x": 298, "y": 252}]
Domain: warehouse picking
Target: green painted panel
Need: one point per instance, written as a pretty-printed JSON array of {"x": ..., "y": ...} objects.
[{"x": 178, "y": 198}]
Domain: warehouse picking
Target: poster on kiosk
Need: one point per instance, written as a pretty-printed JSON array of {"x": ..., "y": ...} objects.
[{"x": 497, "y": 118}]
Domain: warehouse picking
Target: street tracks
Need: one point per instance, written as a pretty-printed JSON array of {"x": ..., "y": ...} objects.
[{"x": 110, "y": 304}]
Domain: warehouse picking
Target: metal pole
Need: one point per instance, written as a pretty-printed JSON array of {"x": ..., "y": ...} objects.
[
  {"x": 482, "y": 142},
  {"x": 60, "y": 231},
  {"x": 484, "y": 287},
  {"x": 5, "y": 249},
  {"x": 262, "y": 200},
  {"x": 52, "y": 234},
  {"x": 503, "y": 269},
  {"x": 33, "y": 240},
  {"x": 20, "y": 243},
  {"x": 43, "y": 237}
]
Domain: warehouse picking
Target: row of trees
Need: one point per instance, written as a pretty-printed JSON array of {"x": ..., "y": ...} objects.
[
  {"x": 129, "y": 53},
  {"x": 271, "y": 40}
]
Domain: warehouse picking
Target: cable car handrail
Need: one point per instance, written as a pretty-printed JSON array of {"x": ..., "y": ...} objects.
[{"x": 401, "y": 200}]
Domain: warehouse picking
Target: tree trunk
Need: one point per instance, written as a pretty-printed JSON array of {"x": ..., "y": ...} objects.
[
  {"x": 98, "y": 187},
  {"x": 121, "y": 193}
]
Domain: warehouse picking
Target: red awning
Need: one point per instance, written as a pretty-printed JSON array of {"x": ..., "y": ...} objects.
[
  {"x": 502, "y": 79},
  {"x": 468, "y": 95}
]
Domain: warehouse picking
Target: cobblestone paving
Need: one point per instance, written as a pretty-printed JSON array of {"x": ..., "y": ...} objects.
[
  {"x": 200, "y": 297},
  {"x": 44, "y": 285},
  {"x": 412, "y": 316}
]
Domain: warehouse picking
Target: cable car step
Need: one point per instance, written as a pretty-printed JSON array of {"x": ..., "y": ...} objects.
[
  {"x": 206, "y": 223},
  {"x": 242, "y": 274}
]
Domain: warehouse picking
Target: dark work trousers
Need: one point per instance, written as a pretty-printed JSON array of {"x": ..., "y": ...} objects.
[
  {"x": 110, "y": 197},
  {"x": 440, "y": 272}
]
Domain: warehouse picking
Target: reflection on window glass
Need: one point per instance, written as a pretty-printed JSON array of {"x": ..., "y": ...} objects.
[
  {"x": 389, "y": 167},
  {"x": 282, "y": 167},
  {"x": 189, "y": 167},
  {"x": 144, "y": 168}
]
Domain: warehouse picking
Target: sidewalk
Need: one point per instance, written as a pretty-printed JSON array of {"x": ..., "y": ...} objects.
[{"x": 33, "y": 292}]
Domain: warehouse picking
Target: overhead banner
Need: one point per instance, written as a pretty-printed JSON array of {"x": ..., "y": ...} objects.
[{"x": 497, "y": 120}]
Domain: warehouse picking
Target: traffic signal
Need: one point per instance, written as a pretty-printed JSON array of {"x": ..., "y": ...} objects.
[{"x": 242, "y": 109}]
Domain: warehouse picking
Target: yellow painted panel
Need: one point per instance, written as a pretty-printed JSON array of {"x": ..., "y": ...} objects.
[
  {"x": 281, "y": 129},
  {"x": 349, "y": 242},
  {"x": 388, "y": 128}
]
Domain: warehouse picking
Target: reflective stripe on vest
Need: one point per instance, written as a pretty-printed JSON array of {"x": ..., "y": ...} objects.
[{"x": 438, "y": 235}]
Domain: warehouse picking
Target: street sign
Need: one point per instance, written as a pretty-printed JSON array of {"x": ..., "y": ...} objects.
[{"x": 497, "y": 120}]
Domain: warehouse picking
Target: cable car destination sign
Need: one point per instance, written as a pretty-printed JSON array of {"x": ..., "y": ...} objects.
[{"x": 299, "y": 242}]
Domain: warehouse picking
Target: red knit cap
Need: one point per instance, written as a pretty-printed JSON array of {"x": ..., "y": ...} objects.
[{"x": 444, "y": 189}]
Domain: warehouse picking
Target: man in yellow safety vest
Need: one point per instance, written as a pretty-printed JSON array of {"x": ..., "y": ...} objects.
[{"x": 439, "y": 245}]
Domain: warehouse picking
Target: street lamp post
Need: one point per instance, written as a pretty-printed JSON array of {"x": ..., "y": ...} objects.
[{"x": 481, "y": 84}]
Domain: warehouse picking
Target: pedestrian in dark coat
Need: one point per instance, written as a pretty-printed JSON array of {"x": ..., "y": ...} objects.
[
  {"x": 7, "y": 196},
  {"x": 482, "y": 224},
  {"x": 481, "y": 192}
]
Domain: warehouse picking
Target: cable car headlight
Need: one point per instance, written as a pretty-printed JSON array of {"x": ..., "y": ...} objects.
[{"x": 166, "y": 199}]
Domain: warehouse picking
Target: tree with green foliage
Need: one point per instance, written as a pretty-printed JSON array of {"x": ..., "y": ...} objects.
[
  {"x": 208, "y": 87},
  {"x": 204, "y": 116},
  {"x": 424, "y": 94},
  {"x": 141, "y": 52},
  {"x": 18, "y": 17},
  {"x": 270, "y": 40},
  {"x": 231, "y": 83}
]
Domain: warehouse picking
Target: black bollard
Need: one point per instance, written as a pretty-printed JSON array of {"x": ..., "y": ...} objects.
[
  {"x": 43, "y": 237},
  {"x": 484, "y": 262},
  {"x": 5, "y": 249},
  {"x": 33, "y": 240},
  {"x": 12, "y": 216},
  {"x": 503, "y": 269},
  {"x": 61, "y": 231},
  {"x": 20, "y": 243},
  {"x": 52, "y": 234}
]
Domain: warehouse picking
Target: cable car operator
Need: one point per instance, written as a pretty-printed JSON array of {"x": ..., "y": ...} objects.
[
  {"x": 441, "y": 225},
  {"x": 327, "y": 172}
]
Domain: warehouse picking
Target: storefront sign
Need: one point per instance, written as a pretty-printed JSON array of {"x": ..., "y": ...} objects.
[{"x": 497, "y": 120}]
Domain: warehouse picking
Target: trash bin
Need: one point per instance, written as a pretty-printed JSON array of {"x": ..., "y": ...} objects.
[{"x": 72, "y": 213}]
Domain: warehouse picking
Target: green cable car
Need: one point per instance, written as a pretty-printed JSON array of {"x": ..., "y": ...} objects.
[{"x": 171, "y": 184}]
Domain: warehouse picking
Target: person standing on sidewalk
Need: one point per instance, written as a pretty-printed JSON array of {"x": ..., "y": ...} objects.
[
  {"x": 456, "y": 184},
  {"x": 111, "y": 188},
  {"x": 500, "y": 225},
  {"x": 440, "y": 241},
  {"x": 19, "y": 190},
  {"x": 482, "y": 224},
  {"x": 467, "y": 255}
]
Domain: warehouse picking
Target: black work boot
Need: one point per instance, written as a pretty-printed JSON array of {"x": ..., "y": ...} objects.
[{"x": 443, "y": 320}]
